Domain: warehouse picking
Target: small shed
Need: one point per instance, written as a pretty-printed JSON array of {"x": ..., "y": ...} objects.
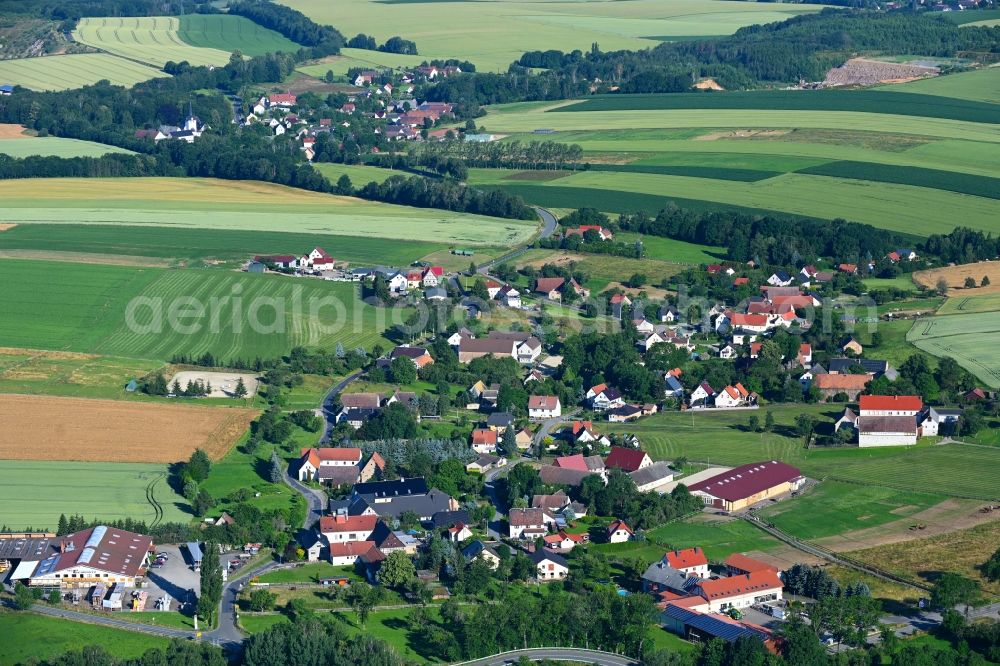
[
  {"x": 132, "y": 386},
  {"x": 256, "y": 267},
  {"x": 195, "y": 551}
]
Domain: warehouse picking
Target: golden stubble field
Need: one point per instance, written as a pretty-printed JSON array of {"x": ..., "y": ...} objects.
[{"x": 80, "y": 429}]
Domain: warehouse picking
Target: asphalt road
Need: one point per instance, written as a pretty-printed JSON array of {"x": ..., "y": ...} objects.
[
  {"x": 328, "y": 411},
  {"x": 558, "y": 654},
  {"x": 549, "y": 225},
  {"x": 314, "y": 498}
]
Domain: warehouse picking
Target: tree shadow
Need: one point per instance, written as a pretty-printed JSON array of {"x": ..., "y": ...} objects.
[{"x": 262, "y": 468}]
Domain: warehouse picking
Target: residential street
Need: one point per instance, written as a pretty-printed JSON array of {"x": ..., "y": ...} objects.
[{"x": 327, "y": 410}]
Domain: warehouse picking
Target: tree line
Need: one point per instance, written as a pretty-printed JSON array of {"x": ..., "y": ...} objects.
[{"x": 291, "y": 23}]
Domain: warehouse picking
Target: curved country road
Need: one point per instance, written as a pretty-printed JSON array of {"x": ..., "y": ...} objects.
[
  {"x": 327, "y": 411},
  {"x": 557, "y": 654}
]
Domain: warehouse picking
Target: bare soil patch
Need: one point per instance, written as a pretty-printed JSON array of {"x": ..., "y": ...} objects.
[
  {"x": 223, "y": 383},
  {"x": 54, "y": 428},
  {"x": 955, "y": 277},
  {"x": 864, "y": 72},
  {"x": 556, "y": 260},
  {"x": 652, "y": 292},
  {"x": 4, "y": 226},
  {"x": 86, "y": 258},
  {"x": 742, "y": 134},
  {"x": 708, "y": 84},
  {"x": 10, "y": 131},
  {"x": 58, "y": 355}
]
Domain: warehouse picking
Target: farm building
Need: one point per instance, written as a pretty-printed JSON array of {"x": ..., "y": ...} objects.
[
  {"x": 746, "y": 485},
  {"x": 335, "y": 466},
  {"x": 888, "y": 420},
  {"x": 97, "y": 555},
  {"x": 830, "y": 385}
]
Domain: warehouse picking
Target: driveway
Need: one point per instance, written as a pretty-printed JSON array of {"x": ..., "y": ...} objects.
[{"x": 328, "y": 412}]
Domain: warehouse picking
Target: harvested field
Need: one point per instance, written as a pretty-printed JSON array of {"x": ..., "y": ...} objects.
[
  {"x": 54, "y": 428},
  {"x": 955, "y": 277},
  {"x": 864, "y": 72},
  {"x": 4, "y": 226},
  {"x": 223, "y": 383},
  {"x": 922, "y": 560},
  {"x": 83, "y": 257},
  {"x": 9, "y": 131}
]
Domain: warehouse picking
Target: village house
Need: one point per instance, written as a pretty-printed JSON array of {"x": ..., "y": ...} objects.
[
  {"x": 583, "y": 433},
  {"x": 562, "y": 542},
  {"x": 702, "y": 395},
  {"x": 549, "y": 565},
  {"x": 499, "y": 421},
  {"x": 603, "y": 397},
  {"x": 734, "y": 396},
  {"x": 484, "y": 463},
  {"x": 721, "y": 594},
  {"x": 744, "y": 486},
  {"x": 624, "y": 414},
  {"x": 550, "y": 287},
  {"x": 510, "y": 297},
  {"x": 627, "y": 460},
  {"x": 484, "y": 440},
  {"x": 602, "y": 233},
  {"x": 619, "y": 302},
  {"x": 582, "y": 463},
  {"x": 739, "y": 564},
  {"x": 853, "y": 346},
  {"x": 347, "y": 553},
  {"x": 561, "y": 476},
  {"x": 419, "y": 355},
  {"x": 344, "y": 528},
  {"x": 618, "y": 532},
  {"x": 335, "y": 466},
  {"x": 830, "y": 385},
  {"x": 689, "y": 561},
  {"x": 528, "y": 523},
  {"x": 541, "y": 407},
  {"x": 470, "y": 349}
]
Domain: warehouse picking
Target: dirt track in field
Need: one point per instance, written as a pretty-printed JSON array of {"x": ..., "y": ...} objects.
[{"x": 55, "y": 428}]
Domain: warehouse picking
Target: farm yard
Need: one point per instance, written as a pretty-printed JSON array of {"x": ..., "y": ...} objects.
[
  {"x": 96, "y": 490},
  {"x": 86, "y": 310},
  {"x": 495, "y": 34},
  {"x": 88, "y": 430},
  {"x": 62, "y": 72},
  {"x": 204, "y": 203}
]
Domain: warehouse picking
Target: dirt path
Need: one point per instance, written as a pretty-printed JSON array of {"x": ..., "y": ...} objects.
[{"x": 948, "y": 516}]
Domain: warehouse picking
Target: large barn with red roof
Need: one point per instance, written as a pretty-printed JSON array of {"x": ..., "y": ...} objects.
[{"x": 744, "y": 486}]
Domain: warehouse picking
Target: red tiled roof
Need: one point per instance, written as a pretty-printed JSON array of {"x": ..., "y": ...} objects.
[
  {"x": 625, "y": 459},
  {"x": 747, "y": 480},
  {"x": 843, "y": 382},
  {"x": 911, "y": 403},
  {"x": 687, "y": 558},
  {"x": 756, "y": 581},
  {"x": 737, "y": 319},
  {"x": 576, "y": 462},
  {"x": 281, "y": 98},
  {"x": 338, "y": 454},
  {"x": 548, "y": 402},
  {"x": 354, "y": 548},
  {"x": 484, "y": 436},
  {"x": 741, "y": 562},
  {"x": 545, "y": 285},
  {"x": 347, "y": 524},
  {"x": 619, "y": 525},
  {"x": 740, "y": 281}
]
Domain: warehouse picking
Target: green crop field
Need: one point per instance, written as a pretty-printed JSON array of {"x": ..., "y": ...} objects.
[
  {"x": 982, "y": 85},
  {"x": 962, "y": 337},
  {"x": 866, "y": 101},
  {"x": 153, "y": 40},
  {"x": 29, "y": 638},
  {"x": 243, "y": 205},
  {"x": 51, "y": 146},
  {"x": 674, "y": 251},
  {"x": 970, "y": 304},
  {"x": 73, "y": 71},
  {"x": 106, "y": 491},
  {"x": 192, "y": 245},
  {"x": 721, "y": 438},
  {"x": 92, "y": 308},
  {"x": 494, "y": 34},
  {"x": 834, "y": 507},
  {"x": 963, "y": 183},
  {"x": 222, "y": 32}
]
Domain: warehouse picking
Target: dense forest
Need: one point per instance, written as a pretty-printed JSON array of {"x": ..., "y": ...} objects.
[
  {"x": 62, "y": 10},
  {"x": 800, "y": 48},
  {"x": 291, "y": 23}
]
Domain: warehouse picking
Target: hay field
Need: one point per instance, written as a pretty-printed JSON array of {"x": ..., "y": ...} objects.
[
  {"x": 108, "y": 491},
  {"x": 153, "y": 40},
  {"x": 51, "y": 146},
  {"x": 243, "y": 205},
  {"x": 73, "y": 71},
  {"x": 494, "y": 34},
  {"x": 57, "y": 428}
]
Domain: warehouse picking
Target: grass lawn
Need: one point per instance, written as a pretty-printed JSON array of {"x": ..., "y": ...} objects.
[
  {"x": 310, "y": 394},
  {"x": 155, "y": 246},
  {"x": 721, "y": 438},
  {"x": 898, "y": 282},
  {"x": 240, "y": 471},
  {"x": 86, "y": 308},
  {"x": 834, "y": 507},
  {"x": 106, "y": 491},
  {"x": 29, "y": 371},
  {"x": 74, "y": 71},
  {"x": 674, "y": 251},
  {"x": 391, "y": 626},
  {"x": 205, "y": 203},
  {"x": 27, "y": 636},
  {"x": 719, "y": 539},
  {"x": 309, "y": 573},
  {"x": 254, "y": 624}
]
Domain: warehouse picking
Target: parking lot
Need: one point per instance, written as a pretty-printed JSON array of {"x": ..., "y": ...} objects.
[{"x": 175, "y": 578}]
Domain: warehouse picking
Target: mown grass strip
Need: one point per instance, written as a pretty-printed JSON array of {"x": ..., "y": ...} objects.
[
  {"x": 964, "y": 183},
  {"x": 867, "y": 101}
]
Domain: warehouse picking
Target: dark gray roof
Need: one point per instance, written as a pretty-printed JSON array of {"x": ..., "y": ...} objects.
[
  {"x": 650, "y": 473},
  {"x": 670, "y": 578},
  {"x": 560, "y": 476},
  {"x": 449, "y": 518},
  {"x": 874, "y": 366},
  {"x": 424, "y": 506},
  {"x": 502, "y": 419},
  {"x": 384, "y": 537},
  {"x": 338, "y": 475},
  {"x": 381, "y": 489},
  {"x": 540, "y": 556},
  {"x": 476, "y": 547}
]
